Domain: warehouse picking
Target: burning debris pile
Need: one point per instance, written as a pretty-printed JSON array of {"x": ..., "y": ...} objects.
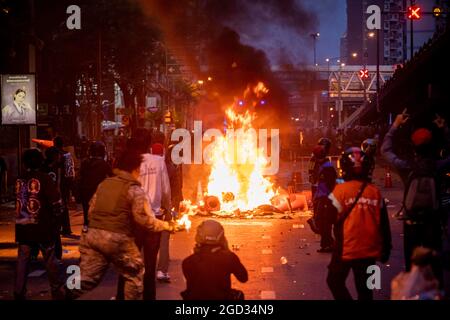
[{"x": 237, "y": 185}]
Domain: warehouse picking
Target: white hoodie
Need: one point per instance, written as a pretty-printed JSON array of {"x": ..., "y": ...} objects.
[{"x": 155, "y": 182}]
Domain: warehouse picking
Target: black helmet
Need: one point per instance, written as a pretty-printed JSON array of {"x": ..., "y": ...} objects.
[
  {"x": 326, "y": 143},
  {"x": 355, "y": 164},
  {"x": 97, "y": 149},
  {"x": 369, "y": 146},
  {"x": 210, "y": 232}
]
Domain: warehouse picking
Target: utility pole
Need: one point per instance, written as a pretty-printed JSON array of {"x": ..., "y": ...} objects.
[
  {"x": 378, "y": 69},
  {"x": 340, "y": 104},
  {"x": 97, "y": 123},
  {"x": 315, "y": 36},
  {"x": 412, "y": 32}
]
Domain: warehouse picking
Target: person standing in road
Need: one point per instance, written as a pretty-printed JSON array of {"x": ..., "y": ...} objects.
[
  {"x": 362, "y": 230},
  {"x": 422, "y": 226},
  {"x": 93, "y": 171},
  {"x": 66, "y": 177},
  {"x": 155, "y": 182},
  {"x": 118, "y": 206},
  {"x": 37, "y": 209},
  {"x": 325, "y": 213}
]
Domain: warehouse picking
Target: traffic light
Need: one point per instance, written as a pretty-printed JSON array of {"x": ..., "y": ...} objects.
[
  {"x": 414, "y": 12},
  {"x": 364, "y": 73}
]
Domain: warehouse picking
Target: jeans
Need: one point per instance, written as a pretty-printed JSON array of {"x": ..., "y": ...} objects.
[
  {"x": 338, "y": 271},
  {"x": 51, "y": 266}
]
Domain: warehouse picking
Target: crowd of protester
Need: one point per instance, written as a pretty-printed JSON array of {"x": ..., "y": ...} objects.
[
  {"x": 341, "y": 139},
  {"x": 355, "y": 209},
  {"x": 129, "y": 214}
]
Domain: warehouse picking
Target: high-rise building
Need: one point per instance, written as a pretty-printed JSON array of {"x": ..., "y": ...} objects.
[
  {"x": 395, "y": 34},
  {"x": 362, "y": 41},
  {"x": 394, "y": 28}
]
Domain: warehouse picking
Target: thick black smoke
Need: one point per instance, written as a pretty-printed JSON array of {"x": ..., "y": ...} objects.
[{"x": 221, "y": 31}]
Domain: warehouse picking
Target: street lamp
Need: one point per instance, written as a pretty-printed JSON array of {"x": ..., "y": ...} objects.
[
  {"x": 377, "y": 35},
  {"x": 315, "y": 36},
  {"x": 341, "y": 65}
]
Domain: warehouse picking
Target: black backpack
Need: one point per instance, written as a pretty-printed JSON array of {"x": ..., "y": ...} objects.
[{"x": 421, "y": 198}]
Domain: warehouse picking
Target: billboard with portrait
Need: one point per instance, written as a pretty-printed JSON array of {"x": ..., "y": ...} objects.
[{"x": 18, "y": 92}]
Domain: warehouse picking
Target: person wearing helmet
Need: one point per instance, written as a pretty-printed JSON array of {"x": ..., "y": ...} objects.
[
  {"x": 424, "y": 227},
  {"x": 324, "y": 212},
  {"x": 361, "y": 228},
  {"x": 92, "y": 172},
  {"x": 207, "y": 271},
  {"x": 315, "y": 163},
  {"x": 369, "y": 147}
]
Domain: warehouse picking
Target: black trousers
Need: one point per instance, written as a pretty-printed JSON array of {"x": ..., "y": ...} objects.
[
  {"x": 149, "y": 243},
  {"x": 325, "y": 215},
  {"x": 338, "y": 271},
  {"x": 51, "y": 266},
  {"x": 65, "y": 218},
  {"x": 85, "y": 205}
]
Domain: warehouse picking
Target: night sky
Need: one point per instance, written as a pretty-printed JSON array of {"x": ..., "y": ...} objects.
[{"x": 283, "y": 44}]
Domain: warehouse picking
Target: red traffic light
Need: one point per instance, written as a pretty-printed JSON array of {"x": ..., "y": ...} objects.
[
  {"x": 414, "y": 12},
  {"x": 364, "y": 73}
]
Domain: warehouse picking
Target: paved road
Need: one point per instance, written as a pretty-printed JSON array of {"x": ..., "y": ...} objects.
[{"x": 260, "y": 243}]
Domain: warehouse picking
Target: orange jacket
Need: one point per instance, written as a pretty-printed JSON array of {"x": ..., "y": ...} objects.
[{"x": 364, "y": 232}]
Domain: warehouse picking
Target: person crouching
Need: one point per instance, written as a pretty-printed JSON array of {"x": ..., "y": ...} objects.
[{"x": 208, "y": 270}]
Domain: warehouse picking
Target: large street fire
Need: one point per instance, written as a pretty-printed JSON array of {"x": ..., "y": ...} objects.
[
  {"x": 237, "y": 168},
  {"x": 236, "y": 177},
  {"x": 236, "y": 182}
]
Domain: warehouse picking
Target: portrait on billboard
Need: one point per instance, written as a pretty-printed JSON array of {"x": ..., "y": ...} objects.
[{"x": 18, "y": 94}]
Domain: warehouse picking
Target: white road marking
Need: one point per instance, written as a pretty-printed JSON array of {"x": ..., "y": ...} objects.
[
  {"x": 250, "y": 223},
  {"x": 268, "y": 295},
  {"x": 266, "y": 269},
  {"x": 267, "y": 251},
  {"x": 266, "y": 237}
]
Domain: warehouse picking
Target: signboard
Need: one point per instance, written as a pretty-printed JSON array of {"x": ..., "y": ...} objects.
[
  {"x": 151, "y": 104},
  {"x": 18, "y": 103}
]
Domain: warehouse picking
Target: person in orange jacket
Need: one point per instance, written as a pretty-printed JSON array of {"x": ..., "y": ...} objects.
[{"x": 361, "y": 229}]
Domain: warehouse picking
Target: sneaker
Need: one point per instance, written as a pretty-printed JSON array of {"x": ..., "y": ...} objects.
[
  {"x": 85, "y": 228},
  {"x": 162, "y": 276}
]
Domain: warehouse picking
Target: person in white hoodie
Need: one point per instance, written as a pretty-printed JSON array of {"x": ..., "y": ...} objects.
[{"x": 155, "y": 182}]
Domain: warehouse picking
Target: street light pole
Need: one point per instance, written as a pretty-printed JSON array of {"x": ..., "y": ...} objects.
[
  {"x": 340, "y": 104},
  {"x": 315, "y": 36},
  {"x": 378, "y": 69}
]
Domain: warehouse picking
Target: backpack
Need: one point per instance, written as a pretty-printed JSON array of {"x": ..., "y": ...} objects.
[{"x": 421, "y": 193}]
